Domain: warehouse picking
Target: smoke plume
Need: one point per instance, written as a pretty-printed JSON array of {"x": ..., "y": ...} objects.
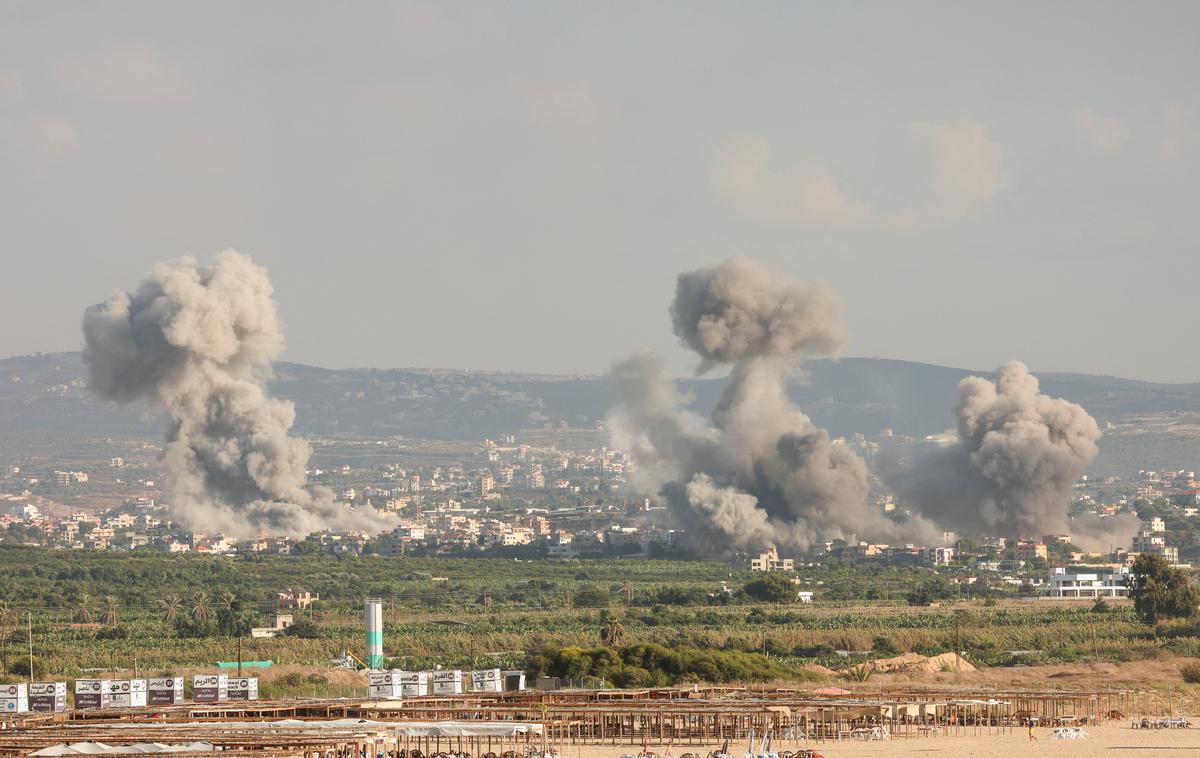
[
  {"x": 1010, "y": 469},
  {"x": 198, "y": 342},
  {"x": 762, "y": 473}
]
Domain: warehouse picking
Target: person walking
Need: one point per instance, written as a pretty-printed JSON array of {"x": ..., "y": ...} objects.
[{"x": 1031, "y": 737}]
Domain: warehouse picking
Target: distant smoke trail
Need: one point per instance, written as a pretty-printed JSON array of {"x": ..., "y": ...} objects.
[
  {"x": 1012, "y": 466},
  {"x": 763, "y": 474},
  {"x": 198, "y": 341}
]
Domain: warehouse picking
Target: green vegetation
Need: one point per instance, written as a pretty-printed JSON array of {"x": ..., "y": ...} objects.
[
  {"x": 181, "y": 612},
  {"x": 772, "y": 588},
  {"x": 1161, "y": 591},
  {"x": 649, "y": 665}
]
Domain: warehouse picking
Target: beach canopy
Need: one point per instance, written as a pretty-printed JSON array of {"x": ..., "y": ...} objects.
[
  {"x": 139, "y": 748},
  {"x": 833, "y": 691},
  {"x": 398, "y": 728}
]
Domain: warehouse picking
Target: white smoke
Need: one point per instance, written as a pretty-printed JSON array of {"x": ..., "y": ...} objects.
[{"x": 198, "y": 342}]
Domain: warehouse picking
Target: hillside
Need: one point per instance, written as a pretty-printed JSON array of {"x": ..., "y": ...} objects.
[{"x": 1147, "y": 423}]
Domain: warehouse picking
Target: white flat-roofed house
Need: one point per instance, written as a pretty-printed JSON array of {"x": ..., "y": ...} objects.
[{"x": 1095, "y": 585}]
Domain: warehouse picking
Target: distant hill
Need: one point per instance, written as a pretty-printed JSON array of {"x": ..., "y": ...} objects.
[{"x": 48, "y": 393}]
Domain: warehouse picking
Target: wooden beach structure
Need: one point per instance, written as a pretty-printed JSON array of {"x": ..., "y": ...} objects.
[{"x": 491, "y": 725}]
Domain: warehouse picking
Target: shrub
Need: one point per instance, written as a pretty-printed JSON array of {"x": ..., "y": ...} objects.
[
  {"x": 20, "y": 667},
  {"x": 304, "y": 629},
  {"x": 292, "y": 679},
  {"x": 885, "y": 646},
  {"x": 1191, "y": 672},
  {"x": 772, "y": 588},
  {"x": 860, "y": 673},
  {"x": 112, "y": 633},
  {"x": 646, "y": 665},
  {"x": 590, "y": 597}
]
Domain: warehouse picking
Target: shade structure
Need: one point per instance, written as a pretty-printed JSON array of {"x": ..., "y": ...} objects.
[{"x": 138, "y": 748}]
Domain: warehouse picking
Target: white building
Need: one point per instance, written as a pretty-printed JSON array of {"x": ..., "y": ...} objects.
[{"x": 1065, "y": 584}]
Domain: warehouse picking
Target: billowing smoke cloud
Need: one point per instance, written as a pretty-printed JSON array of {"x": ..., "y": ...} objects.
[
  {"x": 1010, "y": 469},
  {"x": 198, "y": 341},
  {"x": 762, "y": 474}
]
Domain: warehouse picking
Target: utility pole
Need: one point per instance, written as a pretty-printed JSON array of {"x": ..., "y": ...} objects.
[
  {"x": 239, "y": 639},
  {"x": 957, "y": 645}
]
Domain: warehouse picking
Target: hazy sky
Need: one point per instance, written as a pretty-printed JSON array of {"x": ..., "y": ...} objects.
[{"x": 515, "y": 186}]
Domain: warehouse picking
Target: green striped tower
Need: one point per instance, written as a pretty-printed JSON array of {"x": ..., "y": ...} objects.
[{"x": 374, "y": 634}]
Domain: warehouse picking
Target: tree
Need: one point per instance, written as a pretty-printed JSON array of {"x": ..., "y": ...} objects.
[
  {"x": 83, "y": 609},
  {"x": 1160, "y": 590},
  {"x": 200, "y": 608},
  {"x": 111, "y": 610},
  {"x": 232, "y": 619},
  {"x": 612, "y": 633},
  {"x": 171, "y": 607},
  {"x": 303, "y": 629},
  {"x": 932, "y": 589},
  {"x": 772, "y": 588},
  {"x": 305, "y": 547}
]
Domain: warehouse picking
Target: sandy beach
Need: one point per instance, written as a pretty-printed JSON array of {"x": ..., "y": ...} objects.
[{"x": 1105, "y": 740}]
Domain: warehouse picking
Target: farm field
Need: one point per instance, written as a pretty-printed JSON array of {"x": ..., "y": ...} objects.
[{"x": 631, "y": 622}]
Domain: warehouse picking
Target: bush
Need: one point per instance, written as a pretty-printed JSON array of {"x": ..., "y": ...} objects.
[
  {"x": 112, "y": 633},
  {"x": 21, "y": 667},
  {"x": 304, "y": 629},
  {"x": 1191, "y": 672},
  {"x": 590, "y": 597},
  {"x": 885, "y": 646},
  {"x": 648, "y": 665},
  {"x": 293, "y": 679},
  {"x": 772, "y": 588}
]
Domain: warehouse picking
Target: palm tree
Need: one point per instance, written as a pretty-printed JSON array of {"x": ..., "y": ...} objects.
[
  {"x": 228, "y": 600},
  {"x": 611, "y": 630},
  {"x": 171, "y": 606},
  {"x": 111, "y": 608},
  {"x": 83, "y": 611},
  {"x": 200, "y": 609}
]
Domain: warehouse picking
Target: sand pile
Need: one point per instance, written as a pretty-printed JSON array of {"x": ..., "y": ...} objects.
[
  {"x": 817, "y": 668},
  {"x": 916, "y": 663}
]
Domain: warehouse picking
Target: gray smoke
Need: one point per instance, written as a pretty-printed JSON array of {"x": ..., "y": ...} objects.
[
  {"x": 198, "y": 342},
  {"x": 762, "y": 473},
  {"x": 1010, "y": 469}
]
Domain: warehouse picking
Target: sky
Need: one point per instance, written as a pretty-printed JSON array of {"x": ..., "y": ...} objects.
[{"x": 515, "y": 186}]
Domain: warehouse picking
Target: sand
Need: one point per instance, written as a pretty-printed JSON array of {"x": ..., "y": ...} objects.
[{"x": 1110, "y": 739}]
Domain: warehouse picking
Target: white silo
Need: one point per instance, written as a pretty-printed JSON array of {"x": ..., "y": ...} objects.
[{"x": 374, "y": 634}]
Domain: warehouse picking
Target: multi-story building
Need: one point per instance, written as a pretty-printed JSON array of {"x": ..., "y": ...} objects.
[
  {"x": 1028, "y": 550},
  {"x": 1064, "y": 583},
  {"x": 770, "y": 561}
]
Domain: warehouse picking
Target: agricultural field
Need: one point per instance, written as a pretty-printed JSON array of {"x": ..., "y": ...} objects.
[{"x": 106, "y": 611}]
